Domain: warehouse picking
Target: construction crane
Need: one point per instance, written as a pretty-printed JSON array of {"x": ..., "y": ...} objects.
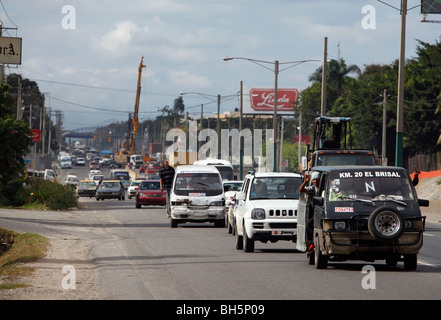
[{"x": 135, "y": 122}]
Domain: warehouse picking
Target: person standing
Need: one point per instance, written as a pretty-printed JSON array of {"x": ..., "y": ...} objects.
[{"x": 166, "y": 174}]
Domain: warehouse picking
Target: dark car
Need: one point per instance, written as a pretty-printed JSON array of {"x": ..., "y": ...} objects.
[
  {"x": 360, "y": 213},
  {"x": 110, "y": 189},
  {"x": 149, "y": 193},
  {"x": 86, "y": 188}
]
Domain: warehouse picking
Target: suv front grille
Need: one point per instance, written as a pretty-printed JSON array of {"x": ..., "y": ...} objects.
[{"x": 282, "y": 213}]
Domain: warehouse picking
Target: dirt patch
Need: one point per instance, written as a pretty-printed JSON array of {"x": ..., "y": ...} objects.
[{"x": 66, "y": 273}]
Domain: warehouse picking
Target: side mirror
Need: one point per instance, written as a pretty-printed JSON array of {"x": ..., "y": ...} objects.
[
  {"x": 240, "y": 195},
  {"x": 318, "y": 201},
  {"x": 423, "y": 203}
]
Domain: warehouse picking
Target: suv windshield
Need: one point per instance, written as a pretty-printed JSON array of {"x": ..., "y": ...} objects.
[
  {"x": 203, "y": 183},
  {"x": 345, "y": 159},
  {"x": 275, "y": 188},
  {"x": 369, "y": 185}
]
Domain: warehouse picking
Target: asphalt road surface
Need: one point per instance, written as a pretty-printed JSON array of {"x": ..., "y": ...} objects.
[{"x": 138, "y": 256}]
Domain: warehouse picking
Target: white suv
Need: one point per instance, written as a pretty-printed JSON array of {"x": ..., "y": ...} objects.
[{"x": 266, "y": 208}]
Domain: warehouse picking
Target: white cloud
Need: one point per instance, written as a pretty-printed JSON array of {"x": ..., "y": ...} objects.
[
  {"x": 116, "y": 42},
  {"x": 188, "y": 80}
]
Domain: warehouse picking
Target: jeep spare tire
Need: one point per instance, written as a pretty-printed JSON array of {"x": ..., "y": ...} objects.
[{"x": 385, "y": 224}]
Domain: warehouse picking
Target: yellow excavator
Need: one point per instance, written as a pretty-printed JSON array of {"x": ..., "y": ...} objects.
[
  {"x": 130, "y": 143},
  {"x": 135, "y": 114}
]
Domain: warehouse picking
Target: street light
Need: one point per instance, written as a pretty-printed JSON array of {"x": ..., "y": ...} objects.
[{"x": 276, "y": 71}]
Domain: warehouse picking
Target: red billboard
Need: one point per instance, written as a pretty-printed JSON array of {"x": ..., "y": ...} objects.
[
  {"x": 36, "y": 135},
  {"x": 263, "y": 99}
]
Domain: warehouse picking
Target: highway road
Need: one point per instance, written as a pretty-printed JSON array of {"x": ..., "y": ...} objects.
[{"x": 138, "y": 256}]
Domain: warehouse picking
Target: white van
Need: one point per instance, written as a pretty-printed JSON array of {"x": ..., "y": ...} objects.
[
  {"x": 224, "y": 166},
  {"x": 65, "y": 162},
  {"x": 197, "y": 196}
]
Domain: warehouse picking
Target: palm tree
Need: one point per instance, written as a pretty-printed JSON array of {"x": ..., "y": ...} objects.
[{"x": 337, "y": 72}]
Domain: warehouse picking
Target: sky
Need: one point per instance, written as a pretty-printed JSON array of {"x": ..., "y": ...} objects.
[{"x": 85, "y": 54}]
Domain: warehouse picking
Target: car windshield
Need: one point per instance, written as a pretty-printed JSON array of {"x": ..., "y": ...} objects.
[
  {"x": 370, "y": 185},
  {"x": 135, "y": 183},
  {"x": 232, "y": 186},
  {"x": 201, "y": 183},
  {"x": 150, "y": 185},
  {"x": 275, "y": 188},
  {"x": 88, "y": 184},
  {"x": 107, "y": 184}
]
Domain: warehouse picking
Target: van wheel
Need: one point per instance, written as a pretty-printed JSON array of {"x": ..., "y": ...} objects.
[
  {"x": 239, "y": 241},
  {"x": 410, "y": 262},
  {"x": 320, "y": 260},
  {"x": 385, "y": 224},
  {"x": 248, "y": 244},
  {"x": 173, "y": 223}
]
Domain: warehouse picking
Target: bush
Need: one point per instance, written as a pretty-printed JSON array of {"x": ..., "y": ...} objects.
[{"x": 51, "y": 195}]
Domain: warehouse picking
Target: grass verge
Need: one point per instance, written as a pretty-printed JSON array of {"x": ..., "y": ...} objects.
[{"x": 19, "y": 248}]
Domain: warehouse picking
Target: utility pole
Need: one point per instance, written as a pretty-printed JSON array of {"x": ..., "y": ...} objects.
[
  {"x": 400, "y": 101},
  {"x": 275, "y": 122},
  {"x": 383, "y": 142},
  {"x": 324, "y": 77},
  {"x": 240, "y": 130}
]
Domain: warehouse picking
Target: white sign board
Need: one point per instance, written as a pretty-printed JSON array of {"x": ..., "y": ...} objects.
[{"x": 10, "y": 50}]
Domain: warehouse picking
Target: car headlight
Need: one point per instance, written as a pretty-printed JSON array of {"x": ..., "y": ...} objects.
[
  {"x": 339, "y": 225},
  {"x": 258, "y": 214},
  {"x": 217, "y": 203}
]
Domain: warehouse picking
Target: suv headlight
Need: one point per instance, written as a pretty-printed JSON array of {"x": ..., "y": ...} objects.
[{"x": 258, "y": 214}]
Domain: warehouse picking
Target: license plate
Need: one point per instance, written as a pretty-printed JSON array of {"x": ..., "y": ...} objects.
[{"x": 283, "y": 232}]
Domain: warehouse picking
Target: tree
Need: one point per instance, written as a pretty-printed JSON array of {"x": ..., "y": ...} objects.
[
  {"x": 337, "y": 73},
  {"x": 15, "y": 143}
]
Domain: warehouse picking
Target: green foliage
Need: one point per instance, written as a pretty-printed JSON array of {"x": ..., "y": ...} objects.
[
  {"x": 15, "y": 143},
  {"x": 50, "y": 195},
  {"x": 360, "y": 99}
]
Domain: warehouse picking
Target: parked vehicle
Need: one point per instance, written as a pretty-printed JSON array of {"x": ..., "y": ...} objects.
[
  {"x": 149, "y": 193},
  {"x": 361, "y": 213},
  {"x": 197, "y": 196}
]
